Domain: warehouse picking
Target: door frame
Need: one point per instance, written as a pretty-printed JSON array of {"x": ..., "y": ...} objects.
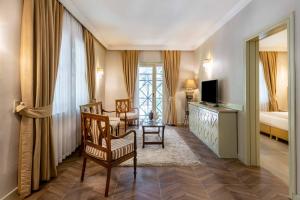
[
  {"x": 252, "y": 97},
  {"x": 154, "y": 86}
]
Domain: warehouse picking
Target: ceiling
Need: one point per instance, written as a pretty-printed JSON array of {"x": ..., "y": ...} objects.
[
  {"x": 153, "y": 24},
  {"x": 276, "y": 42}
]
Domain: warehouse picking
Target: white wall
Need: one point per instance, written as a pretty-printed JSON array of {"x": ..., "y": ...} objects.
[
  {"x": 227, "y": 50},
  {"x": 100, "y": 55},
  {"x": 187, "y": 70},
  {"x": 114, "y": 79},
  {"x": 10, "y": 24},
  {"x": 115, "y": 86}
]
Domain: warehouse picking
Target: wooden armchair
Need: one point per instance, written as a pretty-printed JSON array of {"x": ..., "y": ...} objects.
[
  {"x": 97, "y": 108},
  {"x": 126, "y": 113},
  {"x": 103, "y": 148}
]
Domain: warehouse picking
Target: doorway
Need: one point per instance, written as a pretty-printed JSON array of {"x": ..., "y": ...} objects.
[
  {"x": 273, "y": 104},
  {"x": 150, "y": 90},
  {"x": 253, "y": 139}
]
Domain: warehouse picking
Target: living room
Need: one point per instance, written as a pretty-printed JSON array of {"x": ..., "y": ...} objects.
[{"x": 85, "y": 86}]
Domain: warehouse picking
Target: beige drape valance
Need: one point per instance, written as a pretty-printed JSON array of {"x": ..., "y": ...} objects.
[
  {"x": 91, "y": 68},
  {"x": 130, "y": 64},
  {"x": 269, "y": 62},
  {"x": 39, "y": 56},
  {"x": 171, "y": 72}
]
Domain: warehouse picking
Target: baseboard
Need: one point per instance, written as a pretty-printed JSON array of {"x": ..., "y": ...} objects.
[
  {"x": 180, "y": 124},
  {"x": 12, "y": 195}
]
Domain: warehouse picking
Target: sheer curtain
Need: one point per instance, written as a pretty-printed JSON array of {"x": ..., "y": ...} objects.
[
  {"x": 71, "y": 89},
  {"x": 263, "y": 90}
]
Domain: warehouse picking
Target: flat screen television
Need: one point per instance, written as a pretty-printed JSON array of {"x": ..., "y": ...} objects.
[{"x": 209, "y": 91}]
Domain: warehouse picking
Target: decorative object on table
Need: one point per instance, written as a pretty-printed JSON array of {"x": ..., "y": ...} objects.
[
  {"x": 151, "y": 115},
  {"x": 190, "y": 86}
]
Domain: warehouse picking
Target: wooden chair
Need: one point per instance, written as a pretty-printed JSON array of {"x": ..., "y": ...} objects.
[
  {"x": 103, "y": 148},
  {"x": 97, "y": 108},
  {"x": 126, "y": 113}
]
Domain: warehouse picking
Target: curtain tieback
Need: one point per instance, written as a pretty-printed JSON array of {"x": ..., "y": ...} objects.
[{"x": 39, "y": 112}]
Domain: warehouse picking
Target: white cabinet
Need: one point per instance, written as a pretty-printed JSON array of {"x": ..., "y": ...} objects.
[{"x": 216, "y": 127}]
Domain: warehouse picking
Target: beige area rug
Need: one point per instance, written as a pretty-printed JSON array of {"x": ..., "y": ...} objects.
[{"x": 175, "y": 153}]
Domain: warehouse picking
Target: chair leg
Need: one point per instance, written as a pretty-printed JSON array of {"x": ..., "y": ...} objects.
[
  {"x": 107, "y": 181},
  {"x": 83, "y": 169},
  {"x": 134, "y": 166}
]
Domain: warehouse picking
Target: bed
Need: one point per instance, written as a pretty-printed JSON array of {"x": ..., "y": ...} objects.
[{"x": 275, "y": 124}]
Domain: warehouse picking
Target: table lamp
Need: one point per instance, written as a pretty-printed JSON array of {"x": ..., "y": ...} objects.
[{"x": 190, "y": 86}]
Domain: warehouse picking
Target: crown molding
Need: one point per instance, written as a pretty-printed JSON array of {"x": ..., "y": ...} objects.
[
  {"x": 150, "y": 47},
  {"x": 72, "y": 8},
  {"x": 70, "y": 5},
  {"x": 229, "y": 15}
]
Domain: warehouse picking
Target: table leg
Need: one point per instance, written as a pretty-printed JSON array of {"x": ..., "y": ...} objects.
[
  {"x": 163, "y": 137},
  {"x": 143, "y": 137}
]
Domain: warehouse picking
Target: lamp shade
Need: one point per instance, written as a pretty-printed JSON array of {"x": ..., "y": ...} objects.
[{"x": 190, "y": 84}]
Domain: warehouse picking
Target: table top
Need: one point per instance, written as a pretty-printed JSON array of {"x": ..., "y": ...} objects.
[{"x": 152, "y": 123}]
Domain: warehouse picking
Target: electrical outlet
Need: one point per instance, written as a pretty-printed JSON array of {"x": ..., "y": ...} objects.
[{"x": 15, "y": 104}]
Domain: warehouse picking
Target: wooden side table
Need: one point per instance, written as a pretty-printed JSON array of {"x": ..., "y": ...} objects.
[{"x": 153, "y": 124}]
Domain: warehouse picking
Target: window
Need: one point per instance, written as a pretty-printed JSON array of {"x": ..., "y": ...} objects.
[
  {"x": 150, "y": 90},
  {"x": 71, "y": 89}
]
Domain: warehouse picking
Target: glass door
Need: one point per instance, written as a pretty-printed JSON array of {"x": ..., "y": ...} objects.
[{"x": 150, "y": 91}]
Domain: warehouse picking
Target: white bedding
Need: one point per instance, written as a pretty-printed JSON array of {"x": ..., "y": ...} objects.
[{"x": 275, "y": 119}]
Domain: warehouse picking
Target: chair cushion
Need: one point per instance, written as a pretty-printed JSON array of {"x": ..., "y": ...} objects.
[
  {"x": 119, "y": 148},
  {"x": 129, "y": 115},
  {"x": 114, "y": 122}
]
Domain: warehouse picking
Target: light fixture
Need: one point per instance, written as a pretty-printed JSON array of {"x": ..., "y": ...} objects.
[
  {"x": 99, "y": 71},
  {"x": 190, "y": 86},
  {"x": 206, "y": 63}
]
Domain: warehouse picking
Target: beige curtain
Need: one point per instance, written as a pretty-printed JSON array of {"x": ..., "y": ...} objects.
[
  {"x": 130, "y": 65},
  {"x": 171, "y": 71},
  {"x": 91, "y": 68},
  {"x": 269, "y": 62},
  {"x": 40, "y": 47}
]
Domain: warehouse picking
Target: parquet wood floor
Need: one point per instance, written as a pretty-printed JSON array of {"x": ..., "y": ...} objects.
[{"x": 215, "y": 179}]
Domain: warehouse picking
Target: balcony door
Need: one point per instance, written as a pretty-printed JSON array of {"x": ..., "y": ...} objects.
[{"x": 150, "y": 89}]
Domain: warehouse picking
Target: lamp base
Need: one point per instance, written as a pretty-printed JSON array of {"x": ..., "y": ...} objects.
[{"x": 189, "y": 94}]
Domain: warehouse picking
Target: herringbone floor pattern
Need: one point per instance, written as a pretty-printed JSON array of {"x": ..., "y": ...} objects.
[{"x": 215, "y": 179}]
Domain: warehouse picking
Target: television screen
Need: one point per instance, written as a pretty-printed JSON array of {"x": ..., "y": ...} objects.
[{"x": 209, "y": 91}]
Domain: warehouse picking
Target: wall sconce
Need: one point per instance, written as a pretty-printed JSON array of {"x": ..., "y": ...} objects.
[
  {"x": 207, "y": 66},
  {"x": 206, "y": 63},
  {"x": 99, "y": 71}
]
